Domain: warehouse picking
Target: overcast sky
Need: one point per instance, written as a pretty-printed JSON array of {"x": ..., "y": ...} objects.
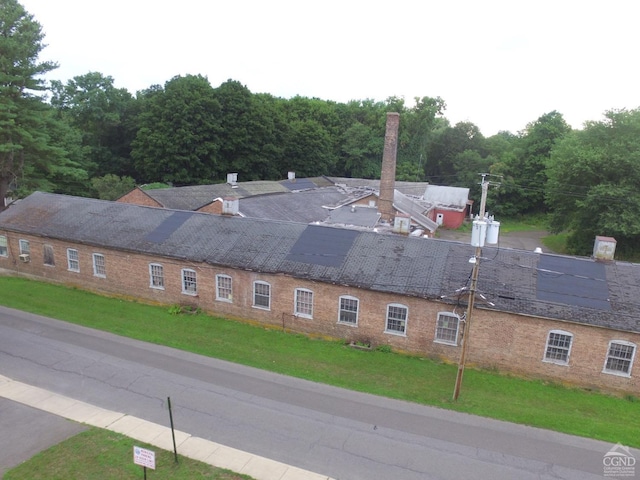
[{"x": 498, "y": 64}]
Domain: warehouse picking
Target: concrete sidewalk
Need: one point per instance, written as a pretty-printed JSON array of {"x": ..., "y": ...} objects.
[{"x": 196, "y": 448}]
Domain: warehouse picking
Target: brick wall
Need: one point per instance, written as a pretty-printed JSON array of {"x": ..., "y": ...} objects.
[
  {"x": 138, "y": 197},
  {"x": 509, "y": 343},
  {"x": 214, "y": 207}
]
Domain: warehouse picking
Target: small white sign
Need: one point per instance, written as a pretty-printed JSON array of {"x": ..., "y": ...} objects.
[{"x": 144, "y": 457}]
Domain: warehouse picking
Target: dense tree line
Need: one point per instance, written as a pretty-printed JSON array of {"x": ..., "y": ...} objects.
[{"x": 87, "y": 137}]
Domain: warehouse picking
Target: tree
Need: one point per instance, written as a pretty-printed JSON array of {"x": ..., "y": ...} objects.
[
  {"x": 249, "y": 140},
  {"x": 524, "y": 174},
  {"x": 446, "y": 144},
  {"x": 177, "y": 139},
  {"x": 112, "y": 187},
  {"x": 308, "y": 149},
  {"x": 468, "y": 165},
  {"x": 416, "y": 131},
  {"x": 362, "y": 151},
  {"x": 23, "y": 138},
  {"x": 593, "y": 177},
  {"x": 100, "y": 111}
]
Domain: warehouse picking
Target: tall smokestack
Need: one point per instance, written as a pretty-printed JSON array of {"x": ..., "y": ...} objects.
[{"x": 388, "y": 174}]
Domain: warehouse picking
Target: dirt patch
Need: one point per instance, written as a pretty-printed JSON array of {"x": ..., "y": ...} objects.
[{"x": 518, "y": 240}]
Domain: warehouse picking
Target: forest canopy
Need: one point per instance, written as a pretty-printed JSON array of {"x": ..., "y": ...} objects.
[{"x": 86, "y": 137}]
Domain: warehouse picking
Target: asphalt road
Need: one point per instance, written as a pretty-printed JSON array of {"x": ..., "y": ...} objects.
[{"x": 339, "y": 433}]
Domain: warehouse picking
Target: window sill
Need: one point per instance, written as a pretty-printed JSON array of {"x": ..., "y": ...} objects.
[
  {"x": 348, "y": 324},
  {"x": 556, "y": 362},
  {"x": 303, "y": 315},
  {"x": 617, "y": 374},
  {"x": 267, "y": 309},
  {"x": 397, "y": 334},
  {"x": 444, "y": 342}
]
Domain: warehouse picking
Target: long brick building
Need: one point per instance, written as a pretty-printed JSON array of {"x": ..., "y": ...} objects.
[{"x": 574, "y": 320}]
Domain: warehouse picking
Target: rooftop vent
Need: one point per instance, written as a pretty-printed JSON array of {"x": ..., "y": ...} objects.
[
  {"x": 232, "y": 179},
  {"x": 230, "y": 206},
  {"x": 402, "y": 223}
]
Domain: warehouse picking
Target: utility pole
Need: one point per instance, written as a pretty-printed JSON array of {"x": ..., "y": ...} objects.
[{"x": 477, "y": 237}]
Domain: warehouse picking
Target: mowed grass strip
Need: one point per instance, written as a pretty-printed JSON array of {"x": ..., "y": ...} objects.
[
  {"x": 530, "y": 402},
  {"x": 107, "y": 455}
]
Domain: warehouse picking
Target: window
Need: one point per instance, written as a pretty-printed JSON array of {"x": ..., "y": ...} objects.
[
  {"x": 189, "y": 284},
  {"x": 156, "y": 276},
  {"x": 558, "y": 347},
  {"x": 447, "y": 328},
  {"x": 47, "y": 253},
  {"x": 397, "y": 318},
  {"x": 620, "y": 358},
  {"x": 3, "y": 246},
  {"x": 304, "y": 303},
  {"x": 99, "y": 266},
  {"x": 223, "y": 288},
  {"x": 261, "y": 295},
  {"x": 72, "y": 260},
  {"x": 24, "y": 247},
  {"x": 348, "y": 312}
]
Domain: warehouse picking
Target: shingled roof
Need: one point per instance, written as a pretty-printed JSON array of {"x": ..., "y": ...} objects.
[
  {"x": 305, "y": 206},
  {"x": 567, "y": 288},
  {"x": 194, "y": 197}
]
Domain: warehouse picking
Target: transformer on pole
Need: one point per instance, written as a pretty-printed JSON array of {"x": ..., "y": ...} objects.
[{"x": 485, "y": 229}]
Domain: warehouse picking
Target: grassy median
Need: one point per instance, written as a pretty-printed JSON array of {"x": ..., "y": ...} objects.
[
  {"x": 107, "y": 455},
  {"x": 536, "y": 403}
]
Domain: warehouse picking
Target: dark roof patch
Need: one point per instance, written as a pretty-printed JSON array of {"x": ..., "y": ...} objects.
[
  {"x": 578, "y": 283},
  {"x": 298, "y": 184},
  {"x": 168, "y": 226},
  {"x": 322, "y": 246}
]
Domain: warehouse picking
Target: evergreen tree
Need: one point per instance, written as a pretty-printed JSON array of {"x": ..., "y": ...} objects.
[{"x": 24, "y": 142}]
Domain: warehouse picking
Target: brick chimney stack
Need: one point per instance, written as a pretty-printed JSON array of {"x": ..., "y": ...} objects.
[{"x": 388, "y": 174}]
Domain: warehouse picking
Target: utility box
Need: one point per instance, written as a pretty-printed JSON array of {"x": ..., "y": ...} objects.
[{"x": 604, "y": 249}]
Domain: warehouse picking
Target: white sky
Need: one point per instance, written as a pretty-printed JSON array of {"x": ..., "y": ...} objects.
[{"x": 497, "y": 63}]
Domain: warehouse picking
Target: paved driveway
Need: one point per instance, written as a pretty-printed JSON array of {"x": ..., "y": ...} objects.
[{"x": 27, "y": 431}]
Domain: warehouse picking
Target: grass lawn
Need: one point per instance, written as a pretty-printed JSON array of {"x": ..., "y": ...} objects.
[
  {"x": 525, "y": 224},
  {"x": 536, "y": 403},
  {"x": 107, "y": 455}
]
